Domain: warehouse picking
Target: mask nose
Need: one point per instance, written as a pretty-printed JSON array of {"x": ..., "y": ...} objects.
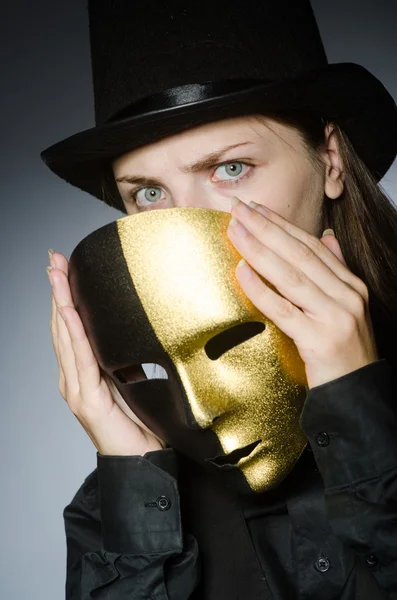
[
  {"x": 215, "y": 348},
  {"x": 191, "y": 422}
]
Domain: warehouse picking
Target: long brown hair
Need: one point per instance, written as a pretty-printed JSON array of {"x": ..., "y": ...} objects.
[{"x": 364, "y": 220}]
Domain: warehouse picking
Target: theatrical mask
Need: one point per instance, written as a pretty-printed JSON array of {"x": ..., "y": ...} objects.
[{"x": 160, "y": 287}]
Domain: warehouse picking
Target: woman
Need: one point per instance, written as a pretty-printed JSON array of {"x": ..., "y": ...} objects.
[{"x": 223, "y": 107}]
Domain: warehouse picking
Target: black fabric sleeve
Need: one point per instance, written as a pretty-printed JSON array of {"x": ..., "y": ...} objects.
[
  {"x": 124, "y": 535},
  {"x": 351, "y": 425}
]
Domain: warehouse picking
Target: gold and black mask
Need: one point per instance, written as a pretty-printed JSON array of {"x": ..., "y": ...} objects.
[{"x": 160, "y": 287}]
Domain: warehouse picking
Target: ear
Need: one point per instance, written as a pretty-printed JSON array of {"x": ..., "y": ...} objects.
[{"x": 334, "y": 174}]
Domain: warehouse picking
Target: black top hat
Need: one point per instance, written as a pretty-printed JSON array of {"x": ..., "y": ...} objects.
[{"x": 162, "y": 66}]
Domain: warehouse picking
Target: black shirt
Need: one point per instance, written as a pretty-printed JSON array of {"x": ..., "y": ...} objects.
[{"x": 329, "y": 531}]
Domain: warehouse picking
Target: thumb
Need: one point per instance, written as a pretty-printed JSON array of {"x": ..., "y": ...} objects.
[{"x": 332, "y": 244}]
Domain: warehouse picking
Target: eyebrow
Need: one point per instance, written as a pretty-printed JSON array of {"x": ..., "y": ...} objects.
[{"x": 204, "y": 163}]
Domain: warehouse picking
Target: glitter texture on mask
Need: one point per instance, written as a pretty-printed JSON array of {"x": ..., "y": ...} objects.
[{"x": 182, "y": 264}]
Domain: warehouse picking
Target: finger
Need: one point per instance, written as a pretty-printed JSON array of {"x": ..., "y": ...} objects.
[
  {"x": 326, "y": 255},
  {"x": 84, "y": 369},
  {"x": 53, "y": 322},
  {"x": 59, "y": 261},
  {"x": 65, "y": 349},
  {"x": 279, "y": 310},
  {"x": 301, "y": 249},
  {"x": 61, "y": 342},
  {"x": 88, "y": 371},
  {"x": 332, "y": 244},
  {"x": 53, "y": 319},
  {"x": 54, "y": 327},
  {"x": 292, "y": 283}
]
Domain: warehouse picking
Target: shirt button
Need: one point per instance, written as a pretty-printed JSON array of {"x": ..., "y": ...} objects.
[
  {"x": 322, "y": 564},
  {"x": 322, "y": 439},
  {"x": 372, "y": 560},
  {"x": 163, "y": 503}
]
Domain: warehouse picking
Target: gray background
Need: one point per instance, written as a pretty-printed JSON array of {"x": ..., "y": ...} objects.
[{"x": 46, "y": 95}]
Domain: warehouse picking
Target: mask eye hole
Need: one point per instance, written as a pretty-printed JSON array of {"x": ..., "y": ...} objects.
[
  {"x": 228, "y": 339},
  {"x": 135, "y": 373}
]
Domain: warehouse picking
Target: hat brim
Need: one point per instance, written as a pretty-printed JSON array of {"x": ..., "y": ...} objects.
[{"x": 345, "y": 93}]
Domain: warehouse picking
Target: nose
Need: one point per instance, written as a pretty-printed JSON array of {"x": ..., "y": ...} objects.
[
  {"x": 192, "y": 193},
  {"x": 190, "y": 198},
  {"x": 201, "y": 199}
]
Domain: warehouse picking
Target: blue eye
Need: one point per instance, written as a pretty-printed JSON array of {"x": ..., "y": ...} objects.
[
  {"x": 146, "y": 196},
  {"x": 231, "y": 169}
]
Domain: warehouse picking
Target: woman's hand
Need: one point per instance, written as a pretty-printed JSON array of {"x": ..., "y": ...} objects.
[
  {"x": 81, "y": 383},
  {"x": 320, "y": 303}
]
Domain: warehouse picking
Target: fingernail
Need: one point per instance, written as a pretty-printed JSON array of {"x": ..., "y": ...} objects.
[
  {"x": 50, "y": 255},
  {"x": 260, "y": 208},
  {"x": 235, "y": 201},
  {"x": 328, "y": 232},
  {"x": 237, "y": 227},
  {"x": 49, "y": 269}
]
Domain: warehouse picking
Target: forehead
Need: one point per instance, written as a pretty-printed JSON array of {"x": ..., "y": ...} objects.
[{"x": 203, "y": 139}]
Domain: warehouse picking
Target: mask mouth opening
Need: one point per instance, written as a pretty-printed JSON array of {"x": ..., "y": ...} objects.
[{"x": 233, "y": 457}]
